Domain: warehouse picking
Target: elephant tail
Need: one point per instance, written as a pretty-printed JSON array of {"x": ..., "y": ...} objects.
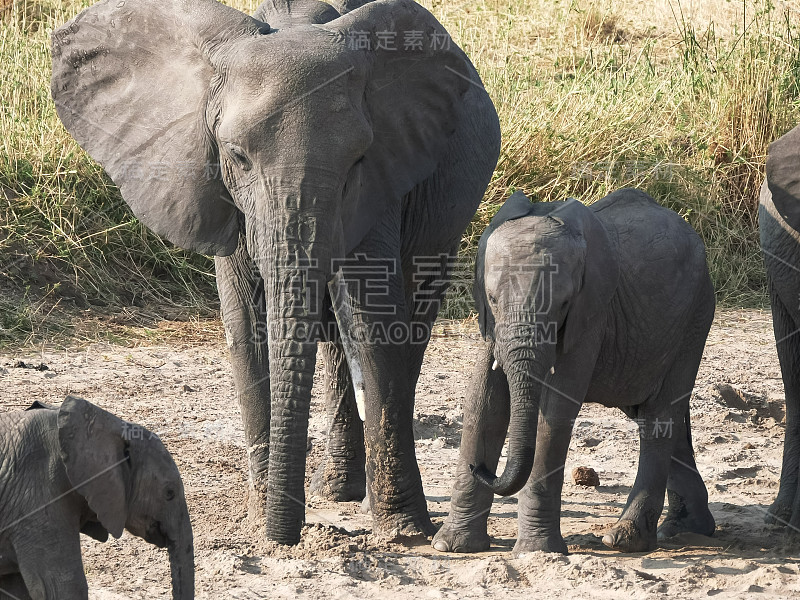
[{"x": 688, "y": 421}]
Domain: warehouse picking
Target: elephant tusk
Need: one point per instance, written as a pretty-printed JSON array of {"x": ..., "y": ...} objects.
[
  {"x": 343, "y": 311},
  {"x": 495, "y": 365},
  {"x": 553, "y": 370},
  {"x": 360, "y": 399}
]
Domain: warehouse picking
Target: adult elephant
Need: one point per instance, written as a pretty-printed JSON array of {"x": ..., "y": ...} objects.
[
  {"x": 308, "y": 141},
  {"x": 779, "y": 224}
]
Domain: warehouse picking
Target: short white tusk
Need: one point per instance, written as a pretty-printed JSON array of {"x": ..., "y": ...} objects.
[
  {"x": 495, "y": 365},
  {"x": 360, "y": 398},
  {"x": 553, "y": 370}
]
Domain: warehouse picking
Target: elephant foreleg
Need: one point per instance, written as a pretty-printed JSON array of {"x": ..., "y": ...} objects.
[
  {"x": 49, "y": 558},
  {"x": 342, "y": 476},
  {"x": 241, "y": 294},
  {"x": 486, "y": 415},
  {"x": 539, "y": 518}
]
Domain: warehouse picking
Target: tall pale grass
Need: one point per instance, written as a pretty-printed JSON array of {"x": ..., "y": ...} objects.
[{"x": 680, "y": 99}]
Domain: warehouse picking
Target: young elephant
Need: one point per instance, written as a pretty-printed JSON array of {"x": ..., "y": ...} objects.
[
  {"x": 79, "y": 469},
  {"x": 610, "y": 304}
]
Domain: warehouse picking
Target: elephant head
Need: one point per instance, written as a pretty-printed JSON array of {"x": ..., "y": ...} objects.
[
  {"x": 295, "y": 136},
  {"x": 129, "y": 481},
  {"x": 545, "y": 275}
]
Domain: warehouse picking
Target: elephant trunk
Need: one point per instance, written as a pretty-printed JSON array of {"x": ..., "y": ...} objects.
[
  {"x": 525, "y": 371},
  {"x": 291, "y": 375},
  {"x": 181, "y": 562},
  {"x": 296, "y": 264}
]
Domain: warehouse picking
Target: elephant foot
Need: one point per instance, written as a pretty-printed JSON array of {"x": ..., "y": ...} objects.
[
  {"x": 626, "y": 536},
  {"x": 339, "y": 485},
  {"x": 408, "y": 532},
  {"x": 454, "y": 538},
  {"x": 779, "y": 513},
  {"x": 411, "y": 529},
  {"x": 551, "y": 543},
  {"x": 702, "y": 524}
]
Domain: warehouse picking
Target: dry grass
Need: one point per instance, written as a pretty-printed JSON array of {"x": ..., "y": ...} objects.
[{"x": 680, "y": 99}]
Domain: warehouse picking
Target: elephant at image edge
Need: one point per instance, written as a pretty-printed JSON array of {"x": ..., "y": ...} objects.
[
  {"x": 327, "y": 150},
  {"x": 89, "y": 472},
  {"x": 609, "y": 303},
  {"x": 779, "y": 225}
]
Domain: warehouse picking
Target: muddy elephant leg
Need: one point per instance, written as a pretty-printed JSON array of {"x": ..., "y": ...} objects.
[
  {"x": 241, "y": 293},
  {"x": 381, "y": 327},
  {"x": 426, "y": 279},
  {"x": 342, "y": 476},
  {"x": 486, "y": 414},
  {"x": 394, "y": 484},
  {"x": 786, "y": 507},
  {"x": 12, "y": 587}
]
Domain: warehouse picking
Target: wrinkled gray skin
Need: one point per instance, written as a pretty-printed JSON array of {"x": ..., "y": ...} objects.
[
  {"x": 91, "y": 473},
  {"x": 327, "y": 151},
  {"x": 624, "y": 287},
  {"x": 779, "y": 224}
]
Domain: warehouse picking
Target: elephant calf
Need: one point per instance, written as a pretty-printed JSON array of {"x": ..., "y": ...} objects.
[
  {"x": 79, "y": 469},
  {"x": 611, "y": 304}
]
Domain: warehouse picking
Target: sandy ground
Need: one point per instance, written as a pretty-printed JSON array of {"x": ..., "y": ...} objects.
[{"x": 185, "y": 393}]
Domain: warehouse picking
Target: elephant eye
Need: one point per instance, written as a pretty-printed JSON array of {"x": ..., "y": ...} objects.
[
  {"x": 238, "y": 156},
  {"x": 492, "y": 299},
  {"x": 169, "y": 494}
]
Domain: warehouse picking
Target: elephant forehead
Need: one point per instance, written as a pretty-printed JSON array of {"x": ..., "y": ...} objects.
[
  {"x": 296, "y": 60},
  {"x": 524, "y": 238},
  {"x": 261, "y": 86}
]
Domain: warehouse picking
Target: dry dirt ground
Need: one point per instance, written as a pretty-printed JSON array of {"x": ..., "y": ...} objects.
[{"x": 184, "y": 392}]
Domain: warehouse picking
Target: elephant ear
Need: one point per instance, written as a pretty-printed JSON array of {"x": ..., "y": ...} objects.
[
  {"x": 36, "y": 405},
  {"x": 285, "y": 13},
  {"x": 600, "y": 271},
  {"x": 416, "y": 81},
  {"x": 95, "y": 455},
  {"x": 131, "y": 82},
  {"x": 517, "y": 206},
  {"x": 783, "y": 176}
]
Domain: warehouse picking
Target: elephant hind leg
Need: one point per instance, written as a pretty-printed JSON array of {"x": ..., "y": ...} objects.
[
  {"x": 342, "y": 475},
  {"x": 666, "y": 460},
  {"x": 686, "y": 492},
  {"x": 786, "y": 508}
]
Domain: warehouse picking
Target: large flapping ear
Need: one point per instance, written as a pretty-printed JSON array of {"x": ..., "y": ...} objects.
[
  {"x": 517, "y": 206},
  {"x": 94, "y": 453},
  {"x": 130, "y": 83},
  {"x": 416, "y": 82},
  {"x": 600, "y": 271},
  {"x": 783, "y": 176}
]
